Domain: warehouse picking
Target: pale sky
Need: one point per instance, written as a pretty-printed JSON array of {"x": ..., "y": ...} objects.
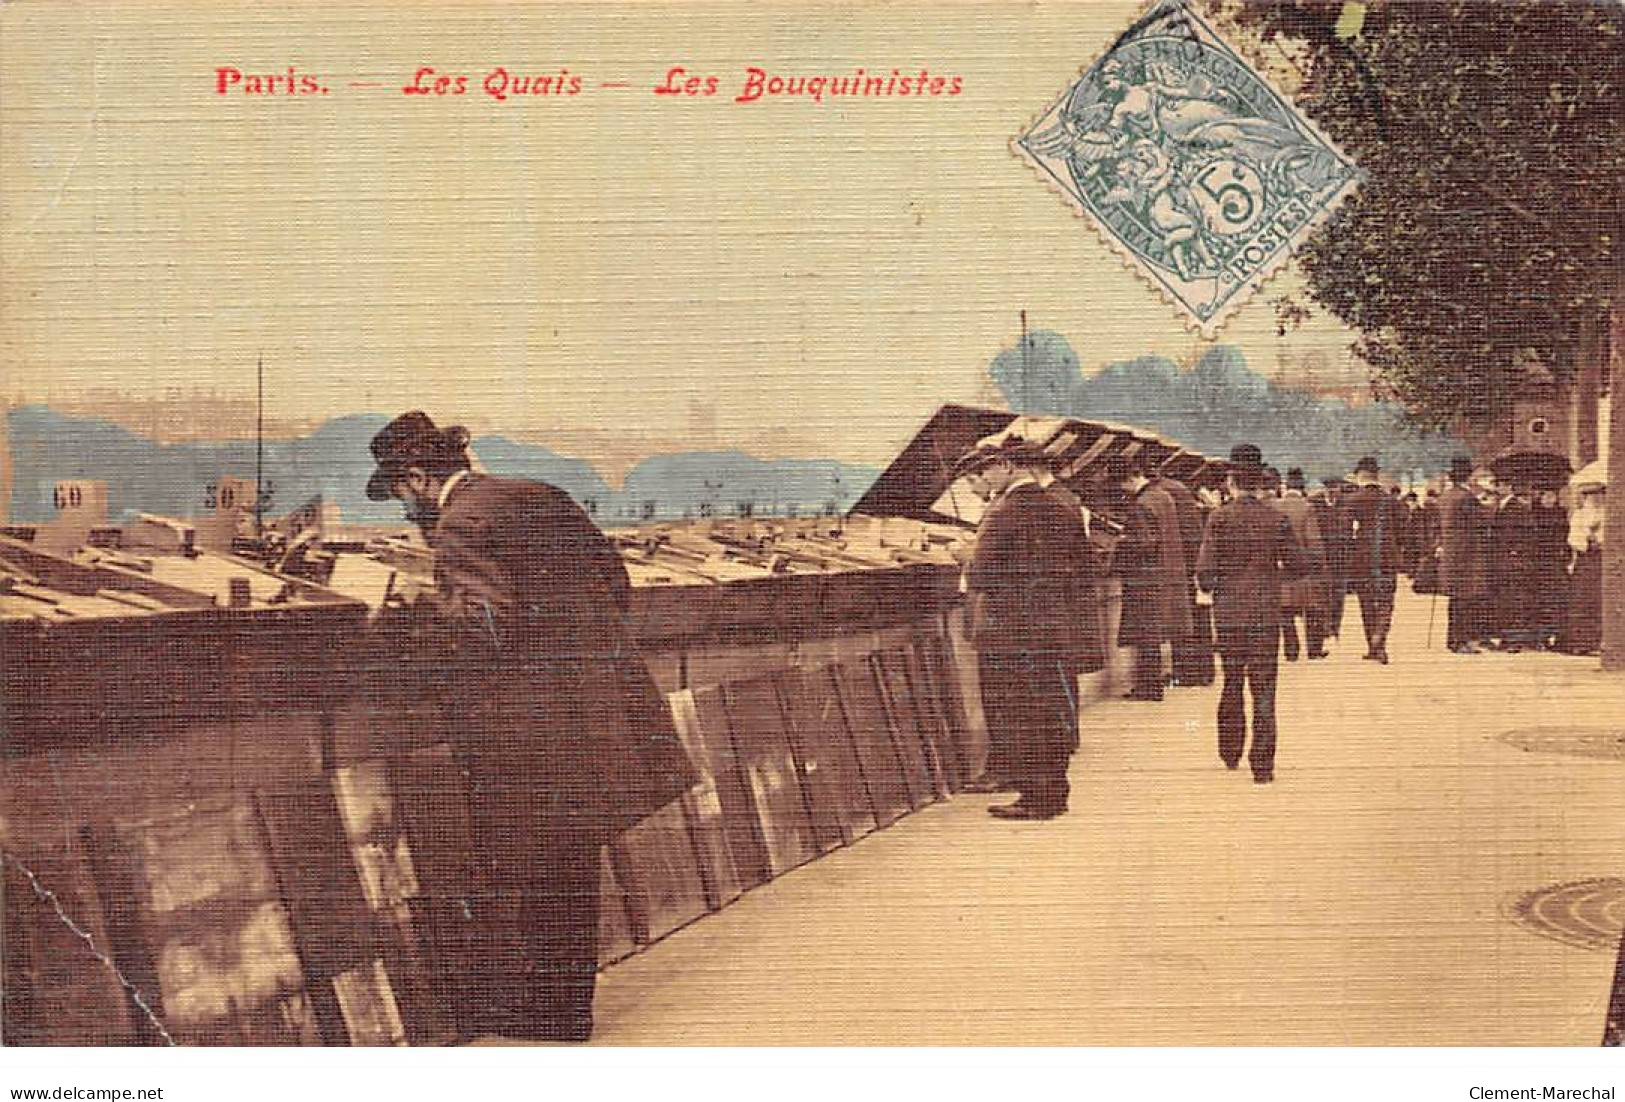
[{"x": 613, "y": 273}]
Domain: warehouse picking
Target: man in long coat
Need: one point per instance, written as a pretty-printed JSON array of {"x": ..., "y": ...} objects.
[
  {"x": 1193, "y": 661},
  {"x": 1151, "y": 562},
  {"x": 1248, "y": 553},
  {"x": 1030, "y": 578},
  {"x": 1514, "y": 578},
  {"x": 1305, "y": 596},
  {"x": 1337, "y": 540},
  {"x": 563, "y": 736},
  {"x": 1463, "y": 525},
  {"x": 1375, "y": 521}
]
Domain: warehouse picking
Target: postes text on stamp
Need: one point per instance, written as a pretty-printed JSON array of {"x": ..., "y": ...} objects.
[{"x": 1189, "y": 162}]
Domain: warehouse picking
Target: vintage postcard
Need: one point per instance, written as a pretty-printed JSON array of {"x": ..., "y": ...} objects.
[{"x": 713, "y": 524}]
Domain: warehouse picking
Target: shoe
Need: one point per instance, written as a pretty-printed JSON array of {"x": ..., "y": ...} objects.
[
  {"x": 988, "y": 784},
  {"x": 1263, "y": 778},
  {"x": 1314, "y": 654},
  {"x": 1022, "y": 810},
  {"x": 1232, "y": 764},
  {"x": 1381, "y": 656},
  {"x": 1141, "y": 694},
  {"x": 1369, "y": 656}
]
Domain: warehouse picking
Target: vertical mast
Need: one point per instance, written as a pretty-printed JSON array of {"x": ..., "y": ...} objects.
[
  {"x": 1026, "y": 389},
  {"x": 259, "y": 454}
]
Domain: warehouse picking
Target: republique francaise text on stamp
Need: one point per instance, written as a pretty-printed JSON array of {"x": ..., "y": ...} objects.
[{"x": 1189, "y": 162}]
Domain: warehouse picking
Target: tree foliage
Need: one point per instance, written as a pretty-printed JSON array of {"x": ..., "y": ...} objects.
[{"x": 1492, "y": 138}]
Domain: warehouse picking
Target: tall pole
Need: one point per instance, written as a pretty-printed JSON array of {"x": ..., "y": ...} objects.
[
  {"x": 1026, "y": 391},
  {"x": 1613, "y": 545},
  {"x": 259, "y": 454}
]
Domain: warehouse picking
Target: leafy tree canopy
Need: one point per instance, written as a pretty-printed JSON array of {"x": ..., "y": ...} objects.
[{"x": 1486, "y": 233}]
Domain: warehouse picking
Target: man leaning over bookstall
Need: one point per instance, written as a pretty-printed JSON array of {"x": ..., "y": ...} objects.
[{"x": 561, "y": 732}]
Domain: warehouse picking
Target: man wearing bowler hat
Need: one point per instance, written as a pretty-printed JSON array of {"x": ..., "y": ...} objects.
[
  {"x": 1248, "y": 552},
  {"x": 561, "y": 732},
  {"x": 1375, "y": 521}
]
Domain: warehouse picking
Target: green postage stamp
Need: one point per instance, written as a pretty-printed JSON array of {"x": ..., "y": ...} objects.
[{"x": 1189, "y": 163}]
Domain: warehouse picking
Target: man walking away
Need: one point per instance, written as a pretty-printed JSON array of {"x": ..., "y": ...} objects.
[
  {"x": 1374, "y": 522},
  {"x": 1338, "y": 543},
  {"x": 1247, "y": 553},
  {"x": 1305, "y": 597}
]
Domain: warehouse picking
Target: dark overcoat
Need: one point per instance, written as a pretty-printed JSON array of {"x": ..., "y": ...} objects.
[
  {"x": 1336, "y": 538},
  {"x": 1033, "y": 580},
  {"x": 553, "y": 711},
  {"x": 1463, "y": 532},
  {"x": 1309, "y": 591},
  {"x": 1248, "y": 552},
  {"x": 1188, "y": 511},
  {"x": 1150, "y": 560},
  {"x": 1375, "y": 522}
]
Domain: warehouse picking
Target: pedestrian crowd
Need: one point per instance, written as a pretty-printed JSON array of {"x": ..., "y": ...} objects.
[
  {"x": 1521, "y": 572},
  {"x": 1249, "y": 571}
]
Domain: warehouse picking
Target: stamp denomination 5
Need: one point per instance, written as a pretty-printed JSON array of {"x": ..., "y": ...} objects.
[{"x": 1188, "y": 162}]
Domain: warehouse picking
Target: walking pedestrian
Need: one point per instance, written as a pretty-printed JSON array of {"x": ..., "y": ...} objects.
[
  {"x": 1374, "y": 522},
  {"x": 1247, "y": 552},
  {"x": 1304, "y": 597},
  {"x": 1337, "y": 540}
]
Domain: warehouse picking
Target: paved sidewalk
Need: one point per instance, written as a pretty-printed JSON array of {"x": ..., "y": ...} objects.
[{"x": 1358, "y": 900}]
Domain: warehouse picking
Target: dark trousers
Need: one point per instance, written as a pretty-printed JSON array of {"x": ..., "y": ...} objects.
[
  {"x": 1148, "y": 669},
  {"x": 1460, "y": 623},
  {"x": 1193, "y": 655},
  {"x": 1376, "y": 596},
  {"x": 1028, "y": 699},
  {"x": 540, "y": 923},
  {"x": 1314, "y": 631},
  {"x": 1337, "y": 590},
  {"x": 1248, "y": 657}
]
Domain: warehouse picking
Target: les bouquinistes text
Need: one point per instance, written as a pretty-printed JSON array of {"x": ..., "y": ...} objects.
[{"x": 503, "y": 84}]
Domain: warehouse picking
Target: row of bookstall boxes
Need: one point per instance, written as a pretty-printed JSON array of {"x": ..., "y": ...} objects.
[{"x": 326, "y": 905}]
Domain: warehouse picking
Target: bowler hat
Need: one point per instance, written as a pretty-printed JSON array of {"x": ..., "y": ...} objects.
[
  {"x": 1246, "y": 455},
  {"x": 1461, "y": 469},
  {"x": 1367, "y": 465},
  {"x": 411, "y": 440},
  {"x": 1294, "y": 478}
]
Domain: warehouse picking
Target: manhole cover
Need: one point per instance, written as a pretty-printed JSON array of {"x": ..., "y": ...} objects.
[
  {"x": 1588, "y": 914},
  {"x": 1581, "y": 742}
]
